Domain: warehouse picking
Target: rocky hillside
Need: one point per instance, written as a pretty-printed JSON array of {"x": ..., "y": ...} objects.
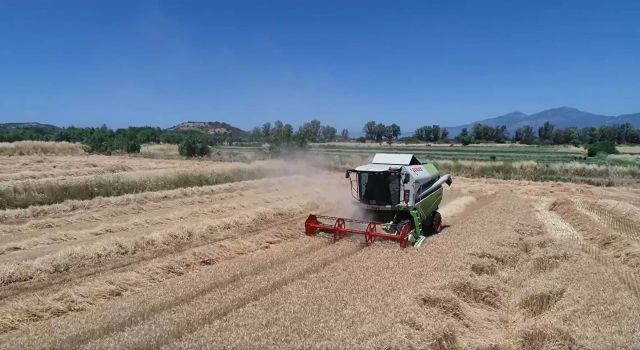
[{"x": 209, "y": 127}]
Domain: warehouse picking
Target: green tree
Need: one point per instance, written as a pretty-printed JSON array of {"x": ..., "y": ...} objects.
[
  {"x": 202, "y": 148},
  {"x": 344, "y": 135},
  {"x": 570, "y": 136},
  {"x": 395, "y": 131},
  {"x": 479, "y": 132},
  {"x": 328, "y": 133},
  {"x": 435, "y": 134},
  {"x": 558, "y": 136},
  {"x": 499, "y": 134},
  {"x": 528, "y": 136},
  {"x": 194, "y": 146},
  {"x": 545, "y": 132},
  {"x": 282, "y": 134},
  {"x": 188, "y": 147},
  {"x": 606, "y": 133},
  {"x": 463, "y": 134},
  {"x": 379, "y": 132},
  {"x": 517, "y": 135},
  {"x": 424, "y": 133},
  {"x": 130, "y": 145},
  {"x": 622, "y": 133},
  {"x": 310, "y": 131},
  {"x": 277, "y": 128},
  {"x": 266, "y": 130},
  {"x": 445, "y": 135},
  {"x": 633, "y": 136},
  {"x": 256, "y": 134},
  {"x": 388, "y": 134},
  {"x": 369, "y": 130},
  {"x": 287, "y": 133}
]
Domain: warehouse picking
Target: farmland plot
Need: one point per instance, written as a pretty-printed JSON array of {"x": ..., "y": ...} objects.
[{"x": 226, "y": 265}]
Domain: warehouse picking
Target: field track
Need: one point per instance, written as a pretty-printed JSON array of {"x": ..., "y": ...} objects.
[{"x": 519, "y": 265}]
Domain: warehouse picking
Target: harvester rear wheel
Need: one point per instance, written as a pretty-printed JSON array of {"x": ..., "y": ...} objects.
[{"x": 436, "y": 222}]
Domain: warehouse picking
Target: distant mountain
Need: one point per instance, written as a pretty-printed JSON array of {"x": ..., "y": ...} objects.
[
  {"x": 209, "y": 127},
  {"x": 562, "y": 117},
  {"x": 628, "y": 118},
  {"x": 28, "y": 125}
]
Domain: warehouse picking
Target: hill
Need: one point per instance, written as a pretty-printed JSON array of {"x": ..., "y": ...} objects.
[
  {"x": 210, "y": 127},
  {"x": 562, "y": 117},
  {"x": 28, "y": 125}
]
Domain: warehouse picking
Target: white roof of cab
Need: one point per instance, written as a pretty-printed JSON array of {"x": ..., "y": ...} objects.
[
  {"x": 395, "y": 159},
  {"x": 374, "y": 167}
]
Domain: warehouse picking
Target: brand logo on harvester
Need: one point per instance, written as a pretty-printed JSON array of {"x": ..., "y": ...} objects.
[{"x": 416, "y": 169}]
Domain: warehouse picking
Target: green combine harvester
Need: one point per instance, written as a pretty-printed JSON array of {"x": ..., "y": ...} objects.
[{"x": 398, "y": 190}]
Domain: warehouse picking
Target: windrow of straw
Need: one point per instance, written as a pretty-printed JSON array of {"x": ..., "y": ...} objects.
[
  {"x": 160, "y": 150},
  {"x": 577, "y": 172},
  {"x": 107, "y": 250},
  {"x": 22, "y": 194},
  {"x": 37, "y": 164},
  {"x": 182, "y": 319},
  {"x": 532, "y": 170},
  {"x": 56, "y": 173},
  {"x": 27, "y": 309},
  {"x": 21, "y": 148},
  {"x": 71, "y": 211},
  {"x": 223, "y": 205},
  {"x": 230, "y": 264}
]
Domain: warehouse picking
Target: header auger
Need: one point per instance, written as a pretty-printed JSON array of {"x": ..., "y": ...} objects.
[{"x": 399, "y": 190}]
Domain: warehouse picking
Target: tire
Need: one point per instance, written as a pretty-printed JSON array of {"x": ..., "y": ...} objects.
[
  {"x": 436, "y": 222},
  {"x": 401, "y": 224}
]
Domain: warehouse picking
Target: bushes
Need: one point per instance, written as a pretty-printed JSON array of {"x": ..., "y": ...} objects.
[
  {"x": 605, "y": 147},
  {"x": 466, "y": 140},
  {"x": 127, "y": 145},
  {"x": 194, "y": 147},
  {"x": 132, "y": 146}
]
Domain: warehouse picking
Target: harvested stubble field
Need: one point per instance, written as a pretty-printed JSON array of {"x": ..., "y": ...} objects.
[{"x": 224, "y": 263}]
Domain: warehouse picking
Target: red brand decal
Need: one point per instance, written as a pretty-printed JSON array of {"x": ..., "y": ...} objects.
[{"x": 417, "y": 169}]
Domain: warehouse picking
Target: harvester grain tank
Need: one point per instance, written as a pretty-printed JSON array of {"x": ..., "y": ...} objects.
[{"x": 399, "y": 189}]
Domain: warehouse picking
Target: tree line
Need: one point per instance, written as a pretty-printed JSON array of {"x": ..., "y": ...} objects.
[
  {"x": 106, "y": 141},
  {"x": 550, "y": 135},
  {"x": 282, "y": 136},
  {"x": 379, "y": 132}
]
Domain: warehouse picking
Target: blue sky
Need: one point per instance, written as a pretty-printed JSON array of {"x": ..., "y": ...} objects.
[{"x": 343, "y": 62}]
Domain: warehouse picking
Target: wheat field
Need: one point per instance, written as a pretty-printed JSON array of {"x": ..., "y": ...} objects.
[{"x": 116, "y": 252}]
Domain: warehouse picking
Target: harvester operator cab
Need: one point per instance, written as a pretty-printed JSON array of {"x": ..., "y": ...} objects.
[
  {"x": 393, "y": 179},
  {"x": 379, "y": 188}
]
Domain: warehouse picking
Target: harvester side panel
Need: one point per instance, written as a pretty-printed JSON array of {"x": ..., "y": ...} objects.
[{"x": 430, "y": 203}]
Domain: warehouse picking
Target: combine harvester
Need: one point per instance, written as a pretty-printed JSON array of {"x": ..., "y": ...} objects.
[{"x": 398, "y": 189}]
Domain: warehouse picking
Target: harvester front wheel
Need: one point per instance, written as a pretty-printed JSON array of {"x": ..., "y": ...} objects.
[{"x": 436, "y": 222}]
